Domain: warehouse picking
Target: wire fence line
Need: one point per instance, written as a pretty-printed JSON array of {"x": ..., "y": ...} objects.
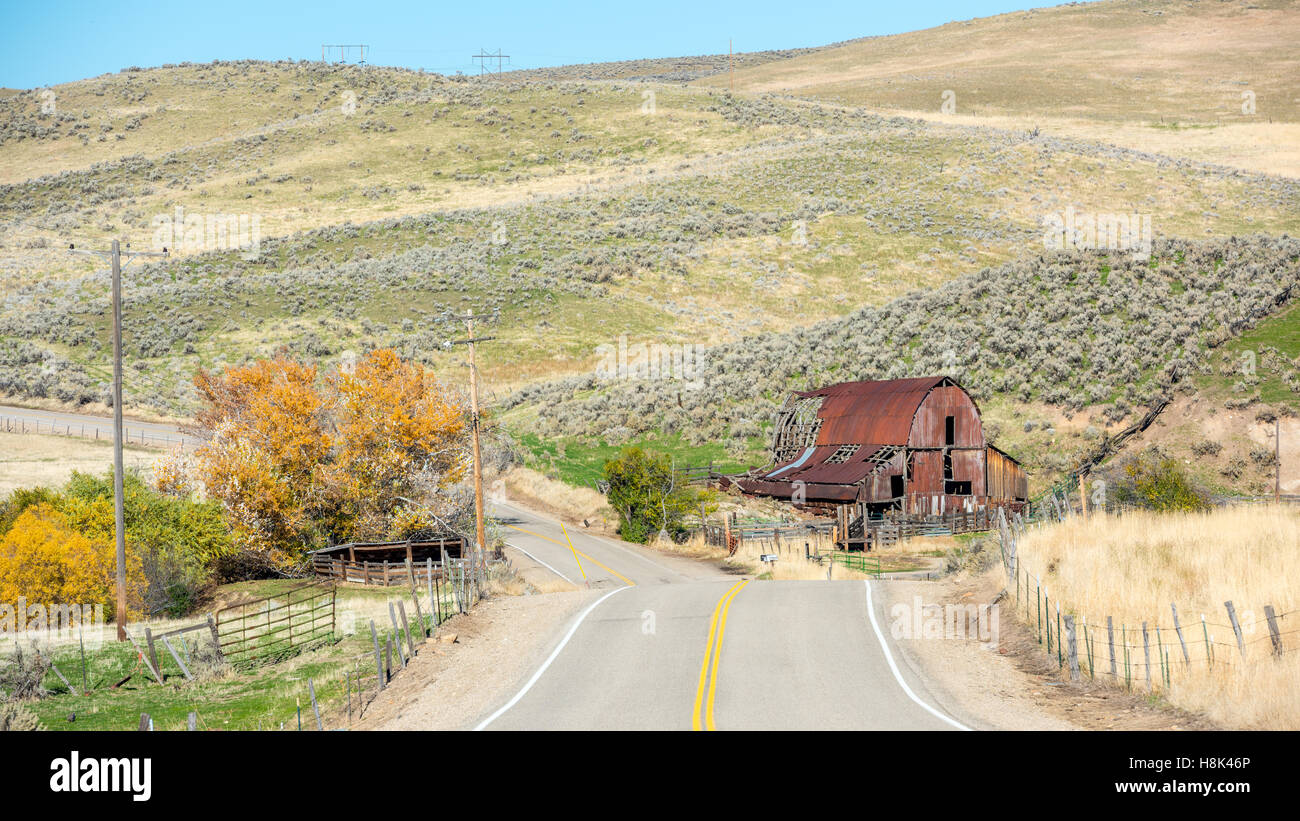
[
  {"x": 271, "y": 630},
  {"x": 1151, "y": 652},
  {"x": 94, "y": 430}
]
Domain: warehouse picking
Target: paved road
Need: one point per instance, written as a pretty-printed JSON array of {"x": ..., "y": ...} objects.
[
  {"x": 674, "y": 644},
  {"x": 29, "y": 420}
]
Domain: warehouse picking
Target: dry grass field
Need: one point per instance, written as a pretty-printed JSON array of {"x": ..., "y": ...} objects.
[
  {"x": 1133, "y": 568},
  {"x": 32, "y": 460},
  {"x": 1152, "y": 75}
]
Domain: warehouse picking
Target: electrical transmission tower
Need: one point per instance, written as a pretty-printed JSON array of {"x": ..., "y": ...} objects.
[
  {"x": 343, "y": 52},
  {"x": 483, "y": 56}
]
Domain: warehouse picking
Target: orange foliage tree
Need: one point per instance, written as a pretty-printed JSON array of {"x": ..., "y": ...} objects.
[
  {"x": 45, "y": 559},
  {"x": 301, "y": 462}
]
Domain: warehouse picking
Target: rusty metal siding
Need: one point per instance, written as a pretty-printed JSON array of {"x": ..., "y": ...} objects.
[
  {"x": 968, "y": 466},
  {"x": 926, "y": 473},
  {"x": 929, "y": 427}
]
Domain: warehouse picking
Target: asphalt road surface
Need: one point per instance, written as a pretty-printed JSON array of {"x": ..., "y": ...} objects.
[
  {"x": 62, "y": 423},
  {"x": 676, "y": 645}
]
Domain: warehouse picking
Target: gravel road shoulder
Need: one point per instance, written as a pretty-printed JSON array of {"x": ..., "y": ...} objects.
[{"x": 450, "y": 686}]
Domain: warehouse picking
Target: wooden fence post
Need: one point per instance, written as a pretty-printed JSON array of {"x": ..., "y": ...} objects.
[
  {"x": 1273, "y": 631},
  {"x": 1146, "y": 653},
  {"x": 146, "y": 723},
  {"x": 433, "y": 602},
  {"x": 192, "y": 721},
  {"x": 379, "y": 662},
  {"x": 175, "y": 655},
  {"x": 1236, "y": 628},
  {"x": 1110, "y": 638},
  {"x": 1073, "y": 648},
  {"x": 397, "y": 634},
  {"x": 415, "y": 598},
  {"x": 406, "y": 627},
  {"x": 153, "y": 653},
  {"x": 1178, "y": 628}
]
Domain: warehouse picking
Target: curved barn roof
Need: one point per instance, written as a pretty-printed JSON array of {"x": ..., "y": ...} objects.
[{"x": 880, "y": 412}]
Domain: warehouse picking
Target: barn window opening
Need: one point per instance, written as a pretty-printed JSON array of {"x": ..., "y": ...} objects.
[
  {"x": 950, "y": 430},
  {"x": 896, "y": 486},
  {"x": 947, "y": 466},
  {"x": 842, "y": 455},
  {"x": 956, "y": 488}
]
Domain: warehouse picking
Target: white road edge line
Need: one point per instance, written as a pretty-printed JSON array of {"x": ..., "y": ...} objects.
[
  {"x": 554, "y": 653},
  {"x": 542, "y": 563},
  {"x": 871, "y": 613}
]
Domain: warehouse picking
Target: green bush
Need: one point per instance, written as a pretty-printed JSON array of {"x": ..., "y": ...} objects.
[
  {"x": 181, "y": 541},
  {"x": 648, "y": 500},
  {"x": 1155, "y": 481}
]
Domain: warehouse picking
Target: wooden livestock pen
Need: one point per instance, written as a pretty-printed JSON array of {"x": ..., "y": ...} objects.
[{"x": 385, "y": 563}]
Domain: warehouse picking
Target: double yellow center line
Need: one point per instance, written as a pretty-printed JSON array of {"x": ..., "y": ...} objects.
[
  {"x": 578, "y": 552},
  {"x": 708, "y": 686}
]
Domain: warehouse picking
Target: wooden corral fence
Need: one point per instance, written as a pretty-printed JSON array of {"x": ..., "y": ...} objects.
[
  {"x": 383, "y": 574},
  {"x": 274, "y": 627},
  {"x": 385, "y": 563}
]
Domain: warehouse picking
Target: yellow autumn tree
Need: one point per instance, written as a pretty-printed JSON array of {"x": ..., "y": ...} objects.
[
  {"x": 45, "y": 560},
  {"x": 267, "y": 439},
  {"x": 302, "y": 462},
  {"x": 397, "y": 429}
]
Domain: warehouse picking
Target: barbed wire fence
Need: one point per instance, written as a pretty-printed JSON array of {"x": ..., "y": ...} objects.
[{"x": 1150, "y": 653}]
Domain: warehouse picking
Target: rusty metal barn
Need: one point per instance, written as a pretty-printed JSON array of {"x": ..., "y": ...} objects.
[{"x": 914, "y": 446}]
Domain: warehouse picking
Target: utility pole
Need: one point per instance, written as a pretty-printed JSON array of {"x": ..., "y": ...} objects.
[
  {"x": 480, "y": 530},
  {"x": 119, "y": 511}
]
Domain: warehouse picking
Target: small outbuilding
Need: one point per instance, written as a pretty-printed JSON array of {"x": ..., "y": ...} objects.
[{"x": 915, "y": 446}]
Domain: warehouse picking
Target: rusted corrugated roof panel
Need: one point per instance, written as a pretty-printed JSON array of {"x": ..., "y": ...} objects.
[
  {"x": 813, "y": 492},
  {"x": 859, "y": 412}
]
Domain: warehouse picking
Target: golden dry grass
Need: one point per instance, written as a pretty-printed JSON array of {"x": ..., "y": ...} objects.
[
  {"x": 1133, "y": 568},
  {"x": 572, "y": 504},
  {"x": 30, "y": 460}
]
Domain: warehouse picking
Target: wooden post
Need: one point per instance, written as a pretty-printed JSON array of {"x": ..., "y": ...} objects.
[
  {"x": 315, "y": 708},
  {"x": 1073, "y": 648},
  {"x": 388, "y": 657},
  {"x": 1178, "y": 628},
  {"x": 1273, "y": 632},
  {"x": 146, "y": 723},
  {"x": 410, "y": 642},
  {"x": 397, "y": 634},
  {"x": 433, "y": 602},
  {"x": 216, "y": 637},
  {"x": 1110, "y": 637},
  {"x": 175, "y": 655},
  {"x": 379, "y": 662},
  {"x": 192, "y": 721},
  {"x": 1236, "y": 628},
  {"x": 153, "y": 653},
  {"x": 152, "y": 668},
  {"x": 1146, "y": 653},
  {"x": 415, "y": 598}
]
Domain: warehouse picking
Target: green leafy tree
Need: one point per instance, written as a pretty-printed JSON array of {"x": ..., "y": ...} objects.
[{"x": 648, "y": 497}]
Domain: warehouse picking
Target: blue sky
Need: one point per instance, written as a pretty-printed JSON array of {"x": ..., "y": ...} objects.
[{"x": 43, "y": 43}]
